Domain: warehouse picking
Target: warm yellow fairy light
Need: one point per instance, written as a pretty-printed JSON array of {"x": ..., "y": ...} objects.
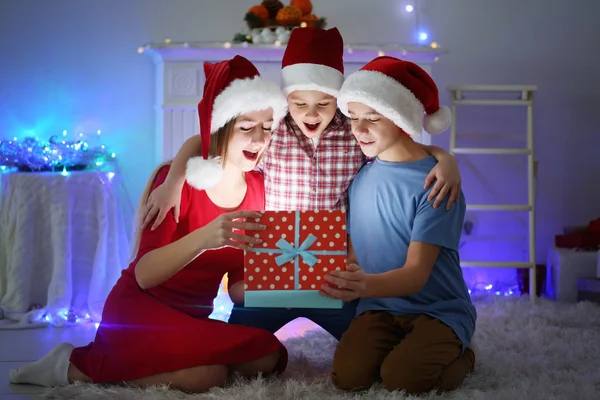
[
  {"x": 381, "y": 53},
  {"x": 227, "y": 45},
  {"x": 277, "y": 43},
  {"x": 167, "y": 41},
  {"x": 303, "y": 25},
  {"x": 140, "y": 50},
  {"x": 436, "y": 59},
  {"x": 434, "y": 45}
]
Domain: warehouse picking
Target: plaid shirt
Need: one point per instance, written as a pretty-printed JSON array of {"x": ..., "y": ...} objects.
[{"x": 300, "y": 176}]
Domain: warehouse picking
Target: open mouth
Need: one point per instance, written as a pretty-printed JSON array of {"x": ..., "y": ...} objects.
[
  {"x": 250, "y": 155},
  {"x": 312, "y": 127}
]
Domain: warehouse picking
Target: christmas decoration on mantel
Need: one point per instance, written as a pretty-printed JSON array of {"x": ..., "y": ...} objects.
[
  {"x": 269, "y": 25},
  {"x": 377, "y": 49},
  {"x": 271, "y": 22},
  {"x": 31, "y": 154}
]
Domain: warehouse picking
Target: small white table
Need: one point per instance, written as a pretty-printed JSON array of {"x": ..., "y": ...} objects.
[
  {"x": 64, "y": 241},
  {"x": 564, "y": 267}
]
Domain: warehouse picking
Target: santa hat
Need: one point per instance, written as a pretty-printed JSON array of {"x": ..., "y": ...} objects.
[
  {"x": 313, "y": 60},
  {"x": 232, "y": 87},
  {"x": 400, "y": 91}
]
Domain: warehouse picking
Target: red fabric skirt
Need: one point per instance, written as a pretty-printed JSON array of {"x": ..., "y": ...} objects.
[{"x": 141, "y": 336}]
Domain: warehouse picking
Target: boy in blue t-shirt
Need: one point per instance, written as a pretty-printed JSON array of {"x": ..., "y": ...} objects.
[{"x": 415, "y": 319}]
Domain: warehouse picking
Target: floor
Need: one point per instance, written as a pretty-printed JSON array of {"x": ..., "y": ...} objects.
[
  {"x": 525, "y": 351},
  {"x": 19, "y": 347}
]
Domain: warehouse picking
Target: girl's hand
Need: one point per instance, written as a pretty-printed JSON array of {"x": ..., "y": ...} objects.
[
  {"x": 160, "y": 202},
  {"x": 221, "y": 232},
  {"x": 345, "y": 285},
  {"x": 447, "y": 182}
]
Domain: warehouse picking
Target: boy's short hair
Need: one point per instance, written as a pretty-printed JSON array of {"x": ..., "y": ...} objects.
[{"x": 400, "y": 91}]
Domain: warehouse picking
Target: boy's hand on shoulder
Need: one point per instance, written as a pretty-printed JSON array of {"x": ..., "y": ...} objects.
[
  {"x": 346, "y": 285},
  {"x": 447, "y": 182},
  {"x": 165, "y": 197}
]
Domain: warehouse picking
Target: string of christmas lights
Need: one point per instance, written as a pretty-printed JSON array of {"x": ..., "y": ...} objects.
[{"x": 31, "y": 154}]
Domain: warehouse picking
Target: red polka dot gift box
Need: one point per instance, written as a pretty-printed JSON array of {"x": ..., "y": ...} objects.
[{"x": 298, "y": 249}]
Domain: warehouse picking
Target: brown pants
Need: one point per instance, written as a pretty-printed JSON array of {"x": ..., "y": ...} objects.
[{"x": 417, "y": 354}]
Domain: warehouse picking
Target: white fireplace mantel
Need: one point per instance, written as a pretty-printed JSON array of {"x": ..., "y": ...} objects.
[{"x": 180, "y": 78}]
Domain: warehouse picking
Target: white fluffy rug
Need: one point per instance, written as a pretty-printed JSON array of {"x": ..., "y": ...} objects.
[{"x": 547, "y": 351}]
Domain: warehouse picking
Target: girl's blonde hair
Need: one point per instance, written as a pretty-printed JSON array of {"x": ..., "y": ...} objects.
[{"x": 219, "y": 144}]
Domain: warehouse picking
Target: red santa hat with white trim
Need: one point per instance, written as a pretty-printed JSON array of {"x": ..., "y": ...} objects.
[
  {"x": 232, "y": 87},
  {"x": 400, "y": 91},
  {"x": 313, "y": 60}
]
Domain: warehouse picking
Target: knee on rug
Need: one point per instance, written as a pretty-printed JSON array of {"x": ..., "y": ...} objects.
[
  {"x": 416, "y": 378},
  {"x": 200, "y": 379},
  {"x": 353, "y": 370},
  {"x": 354, "y": 377},
  {"x": 271, "y": 363},
  {"x": 405, "y": 377}
]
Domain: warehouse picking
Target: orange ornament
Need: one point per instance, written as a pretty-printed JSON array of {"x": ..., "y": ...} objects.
[
  {"x": 260, "y": 11},
  {"x": 311, "y": 20},
  {"x": 288, "y": 16},
  {"x": 303, "y": 5}
]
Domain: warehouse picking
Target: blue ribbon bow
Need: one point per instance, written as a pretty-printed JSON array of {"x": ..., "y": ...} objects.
[{"x": 289, "y": 252}]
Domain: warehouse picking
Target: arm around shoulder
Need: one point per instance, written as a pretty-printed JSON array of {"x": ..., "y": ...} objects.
[
  {"x": 436, "y": 152},
  {"x": 190, "y": 148}
]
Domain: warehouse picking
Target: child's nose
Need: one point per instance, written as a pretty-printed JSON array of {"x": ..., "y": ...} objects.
[
  {"x": 312, "y": 112},
  {"x": 260, "y": 135},
  {"x": 359, "y": 127}
]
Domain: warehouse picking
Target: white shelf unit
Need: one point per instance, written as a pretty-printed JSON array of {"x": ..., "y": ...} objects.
[{"x": 485, "y": 97}]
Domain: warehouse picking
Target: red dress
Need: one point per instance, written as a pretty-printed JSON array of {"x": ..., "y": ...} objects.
[{"x": 166, "y": 328}]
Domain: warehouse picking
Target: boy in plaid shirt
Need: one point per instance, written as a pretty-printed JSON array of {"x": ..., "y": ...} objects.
[{"x": 310, "y": 163}]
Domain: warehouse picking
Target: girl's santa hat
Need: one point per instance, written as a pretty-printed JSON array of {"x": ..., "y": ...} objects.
[
  {"x": 400, "y": 91},
  {"x": 313, "y": 60},
  {"x": 233, "y": 87}
]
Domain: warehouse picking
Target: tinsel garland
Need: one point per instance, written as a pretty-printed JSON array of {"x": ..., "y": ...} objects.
[{"x": 57, "y": 154}]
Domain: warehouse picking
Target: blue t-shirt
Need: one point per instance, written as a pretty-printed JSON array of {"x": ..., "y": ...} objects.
[{"x": 388, "y": 210}]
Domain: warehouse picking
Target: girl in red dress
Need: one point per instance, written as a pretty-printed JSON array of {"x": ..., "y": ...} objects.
[{"x": 155, "y": 327}]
